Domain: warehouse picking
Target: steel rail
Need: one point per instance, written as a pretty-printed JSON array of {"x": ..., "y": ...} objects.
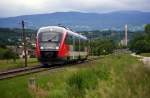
[{"x": 28, "y": 70}]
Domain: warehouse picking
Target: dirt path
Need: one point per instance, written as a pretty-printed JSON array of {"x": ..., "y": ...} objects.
[{"x": 146, "y": 60}]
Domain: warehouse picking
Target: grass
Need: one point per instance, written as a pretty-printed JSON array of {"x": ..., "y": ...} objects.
[
  {"x": 10, "y": 64},
  {"x": 145, "y": 54},
  {"x": 113, "y": 76}
]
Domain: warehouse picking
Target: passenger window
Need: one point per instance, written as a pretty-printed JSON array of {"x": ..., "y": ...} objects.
[
  {"x": 76, "y": 44},
  {"x": 69, "y": 39}
]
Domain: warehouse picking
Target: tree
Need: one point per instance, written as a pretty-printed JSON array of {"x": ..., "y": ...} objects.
[
  {"x": 140, "y": 46},
  {"x": 147, "y": 29},
  {"x": 2, "y": 52},
  {"x": 141, "y": 43},
  {"x": 102, "y": 47},
  {"x": 8, "y": 54}
]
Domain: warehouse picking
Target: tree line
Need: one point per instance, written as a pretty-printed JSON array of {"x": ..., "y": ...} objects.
[
  {"x": 141, "y": 42},
  {"x": 102, "y": 46},
  {"x": 98, "y": 46}
]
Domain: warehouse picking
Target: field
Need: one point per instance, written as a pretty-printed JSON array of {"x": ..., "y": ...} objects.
[
  {"x": 112, "y": 76},
  {"x": 145, "y": 54},
  {"x": 10, "y": 64}
]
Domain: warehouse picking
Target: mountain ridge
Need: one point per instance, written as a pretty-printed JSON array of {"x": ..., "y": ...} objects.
[{"x": 82, "y": 20}]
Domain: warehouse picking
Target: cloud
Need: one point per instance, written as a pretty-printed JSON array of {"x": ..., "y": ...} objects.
[{"x": 23, "y": 7}]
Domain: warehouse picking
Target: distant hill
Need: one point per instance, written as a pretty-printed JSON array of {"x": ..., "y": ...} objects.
[{"x": 82, "y": 21}]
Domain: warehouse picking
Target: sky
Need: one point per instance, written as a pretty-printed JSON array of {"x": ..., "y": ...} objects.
[{"x": 9, "y": 8}]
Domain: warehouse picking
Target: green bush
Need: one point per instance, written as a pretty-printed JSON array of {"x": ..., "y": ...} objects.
[
  {"x": 2, "y": 52},
  {"x": 7, "y": 54}
]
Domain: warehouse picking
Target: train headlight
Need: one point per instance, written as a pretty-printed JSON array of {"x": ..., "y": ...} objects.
[
  {"x": 57, "y": 47},
  {"x": 41, "y": 47}
]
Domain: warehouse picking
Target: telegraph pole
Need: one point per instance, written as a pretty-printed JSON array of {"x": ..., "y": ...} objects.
[
  {"x": 91, "y": 43},
  {"x": 24, "y": 43},
  {"x": 126, "y": 34}
]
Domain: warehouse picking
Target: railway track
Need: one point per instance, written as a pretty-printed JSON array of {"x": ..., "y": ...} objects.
[
  {"x": 35, "y": 69},
  {"x": 18, "y": 72}
]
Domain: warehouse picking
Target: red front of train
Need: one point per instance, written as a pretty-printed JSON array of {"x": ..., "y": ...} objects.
[{"x": 58, "y": 45}]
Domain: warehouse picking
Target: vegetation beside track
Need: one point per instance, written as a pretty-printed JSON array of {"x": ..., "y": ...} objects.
[
  {"x": 10, "y": 64},
  {"x": 145, "y": 54},
  {"x": 141, "y": 42},
  {"x": 112, "y": 76}
]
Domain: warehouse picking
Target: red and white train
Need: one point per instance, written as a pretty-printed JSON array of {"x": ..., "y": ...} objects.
[{"x": 55, "y": 45}]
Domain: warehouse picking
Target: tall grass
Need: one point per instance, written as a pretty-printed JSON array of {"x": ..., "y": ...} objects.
[
  {"x": 10, "y": 64},
  {"x": 114, "y": 76},
  {"x": 80, "y": 81},
  {"x": 86, "y": 79}
]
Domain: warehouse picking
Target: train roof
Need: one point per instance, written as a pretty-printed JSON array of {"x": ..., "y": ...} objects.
[
  {"x": 49, "y": 28},
  {"x": 76, "y": 34},
  {"x": 61, "y": 29}
]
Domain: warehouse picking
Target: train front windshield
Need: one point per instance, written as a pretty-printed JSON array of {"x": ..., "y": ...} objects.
[{"x": 50, "y": 40}]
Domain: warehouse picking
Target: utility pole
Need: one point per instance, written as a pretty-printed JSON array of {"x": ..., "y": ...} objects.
[
  {"x": 91, "y": 43},
  {"x": 126, "y": 34},
  {"x": 24, "y": 43}
]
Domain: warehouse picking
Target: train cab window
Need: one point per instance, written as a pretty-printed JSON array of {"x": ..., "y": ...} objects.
[
  {"x": 50, "y": 37},
  {"x": 50, "y": 40}
]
